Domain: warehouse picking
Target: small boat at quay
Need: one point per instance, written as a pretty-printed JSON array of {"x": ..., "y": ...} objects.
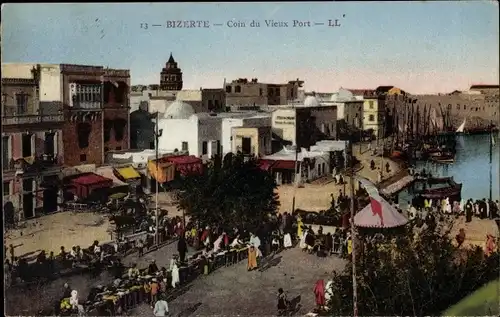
[
  {"x": 452, "y": 190},
  {"x": 442, "y": 157}
]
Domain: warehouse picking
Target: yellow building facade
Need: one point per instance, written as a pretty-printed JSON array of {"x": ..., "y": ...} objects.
[
  {"x": 374, "y": 115},
  {"x": 252, "y": 141}
]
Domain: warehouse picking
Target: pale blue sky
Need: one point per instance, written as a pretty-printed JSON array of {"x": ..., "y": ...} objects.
[{"x": 420, "y": 47}]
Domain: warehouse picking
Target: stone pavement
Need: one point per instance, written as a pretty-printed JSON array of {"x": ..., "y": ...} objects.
[
  {"x": 60, "y": 229},
  {"x": 234, "y": 291}
]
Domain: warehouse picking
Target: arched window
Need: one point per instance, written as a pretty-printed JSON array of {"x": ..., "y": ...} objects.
[
  {"x": 83, "y": 132},
  {"x": 108, "y": 124},
  {"x": 119, "y": 128}
]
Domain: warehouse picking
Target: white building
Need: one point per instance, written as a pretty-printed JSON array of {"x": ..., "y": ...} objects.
[
  {"x": 312, "y": 164},
  {"x": 203, "y": 134}
]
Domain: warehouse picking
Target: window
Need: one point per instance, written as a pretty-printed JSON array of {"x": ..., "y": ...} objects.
[
  {"x": 237, "y": 89},
  {"x": 218, "y": 148},
  {"x": 465, "y": 107},
  {"x": 26, "y": 145},
  {"x": 185, "y": 146},
  {"x": 6, "y": 188},
  {"x": 228, "y": 89},
  {"x": 118, "y": 148},
  {"x": 108, "y": 125},
  {"x": 49, "y": 143},
  {"x": 83, "y": 132},
  {"x": 371, "y": 118},
  {"x": 83, "y": 157},
  {"x": 22, "y": 103},
  {"x": 119, "y": 128},
  {"x": 5, "y": 152},
  {"x": 261, "y": 92},
  {"x": 210, "y": 104},
  {"x": 370, "y": 104},
  {"x": 4, "y": 99},
  {"x": 204, "y": 147},
  {"x": 458, "y": 106},
  {"x": 87, "y": 96}
]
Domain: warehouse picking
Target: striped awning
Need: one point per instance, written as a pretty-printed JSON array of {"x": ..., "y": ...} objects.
[{"x": 128, "y": 173}]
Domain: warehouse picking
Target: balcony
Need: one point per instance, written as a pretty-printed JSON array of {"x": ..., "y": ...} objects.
[
  {"x": 13, "y": 117},
  {"x": 32, "y": 165}
]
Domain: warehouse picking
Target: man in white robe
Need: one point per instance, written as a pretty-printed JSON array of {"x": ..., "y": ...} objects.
[{"x": 255, "y": 242}]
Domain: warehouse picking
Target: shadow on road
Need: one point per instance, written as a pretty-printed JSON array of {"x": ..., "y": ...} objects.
[
  {"x": 189, "y": 311},
  {"x": 295, "y": 305},
  {"x": 271, "y": 262}
]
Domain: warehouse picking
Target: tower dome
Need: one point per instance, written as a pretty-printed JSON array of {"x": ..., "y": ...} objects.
[
  {"x": 311, "y": 101},
  {"x": 179, "y": 110}
]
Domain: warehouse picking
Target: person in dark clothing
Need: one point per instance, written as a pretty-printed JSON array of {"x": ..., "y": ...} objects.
[
  {"x": 152, "y": 268},
  {"x": 66, "y": 291},
  {"x": 282, "y": 302},
  {"x": 468, "y": 211},
  {"x": 328, "y": 243},
  {"x": 182, "y": 248}
]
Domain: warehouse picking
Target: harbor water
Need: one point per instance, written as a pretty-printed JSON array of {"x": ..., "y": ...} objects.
[{"x": 471, "y": 168}]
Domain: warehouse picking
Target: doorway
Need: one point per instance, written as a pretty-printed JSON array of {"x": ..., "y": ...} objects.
[
  {"x": 50, "y": 194},
  {"x": 246, "y": 146},
  {"x": 28, "y": 206}
]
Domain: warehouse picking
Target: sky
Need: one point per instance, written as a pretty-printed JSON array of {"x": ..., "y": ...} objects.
[{"x": 421, "y": 47}]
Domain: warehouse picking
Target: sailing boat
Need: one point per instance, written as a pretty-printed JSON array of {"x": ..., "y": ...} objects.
[{"x": 461, "y": 128}]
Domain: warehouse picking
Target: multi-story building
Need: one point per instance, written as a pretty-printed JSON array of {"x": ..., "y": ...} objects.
[
  {"x": 96, "y": 112},
  {"x": 32, "y": 140},
  {"x": 374, "y": 109},
  {"x": 242, "y": 94},
  {"x": 478, "y": 107},
  {"x": 304, "y": 125}
]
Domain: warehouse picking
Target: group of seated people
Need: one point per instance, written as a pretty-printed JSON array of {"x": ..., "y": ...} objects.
[
  {"x": 46, "y": 266},
  {"x": 325, "y": 244}
]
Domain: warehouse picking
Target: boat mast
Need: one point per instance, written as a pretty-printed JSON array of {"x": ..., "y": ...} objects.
[{"x": 491, "y": 158}]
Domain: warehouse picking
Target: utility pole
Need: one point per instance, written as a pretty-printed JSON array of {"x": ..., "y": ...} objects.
[
  {"x": 353, "y": 236},
  {"x": 157, "y": 216},
  {"x": 297, "y": 176}
]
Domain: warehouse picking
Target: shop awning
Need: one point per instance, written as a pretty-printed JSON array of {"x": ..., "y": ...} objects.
[
  {"x": 186, "y": 164},
  {"x": 284, "y": 165},
  {"x": 107, "y": 172},
  {"x": 266, "y": 165},
  {"x": 128, "y": 173},
  {"x": 162, "y": 170},
  {"x": 84, "y": 184}
]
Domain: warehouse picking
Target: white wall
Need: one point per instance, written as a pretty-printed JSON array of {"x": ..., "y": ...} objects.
[
  {"x": 285, "y": 128},
  {"x": 209, "y": 129},
  {"x": 18, "y": 70},
  {"x": 226, "y": 132},
  {"x": 51, "y": 88},
  {"x": 176, "y": 131}
]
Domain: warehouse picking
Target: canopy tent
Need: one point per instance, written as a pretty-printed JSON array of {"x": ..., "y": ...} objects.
[
  {"x": 388, "y": 218},
  {"x": 161, "y": 170},
  {"x": 186, "y": 164},
  {"x": 84, "y": 184}
]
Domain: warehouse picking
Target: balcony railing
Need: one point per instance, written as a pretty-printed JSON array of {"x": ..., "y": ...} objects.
[
  {"x": 39, "y": 164},
  {"x": 32, "y": 119}
]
